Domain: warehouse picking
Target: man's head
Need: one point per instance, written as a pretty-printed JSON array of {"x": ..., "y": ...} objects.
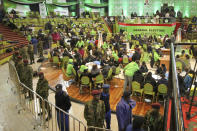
[
  {"x": 58, "y": 87},
  {"x": 41, "y": 75},
  {"x": 96, "y": 94},
  {"x": 156, "y": 106},
  {"x": 19, "y": 58},
  {"x": 126, "y": 96},
  {"x": 25, "y": 62},
  {"x": 138, "y": 122}
]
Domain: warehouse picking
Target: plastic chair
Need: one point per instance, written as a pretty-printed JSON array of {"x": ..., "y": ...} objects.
[
  {"x": 162, "y": 90},
  {"x": 99, "y": 79},
  {"x": 136, "y": 88},
  {"x": 125, "y": 60},
  {"x": 56, "y": 60},
  {"x": 109, "y": 75},
  {"x": 85, "y": 82},
  {"x": 148, "y": 90}
]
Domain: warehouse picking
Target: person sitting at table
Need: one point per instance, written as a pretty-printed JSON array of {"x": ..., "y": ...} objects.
[
  {"x": 143, "y": 67},
  {"x": 183, "y": 55},
  {"x": 138, "y": 76},
  {"x": 187, "y": 61},
  {"x": 86, "y": 73},
  {"x": 151, "y": 80},
  {"x": 95, "y": 71},
  {"x": 105, "y": 70},
  {"x": 163, "y": 69},
  {"x": 177, "y": 59},
  {"x": 163, "y": 80},
  {"x": 69, "y": 68},
  {"x": 188, "y": 80},
  {"x": 136, "y": 56}
]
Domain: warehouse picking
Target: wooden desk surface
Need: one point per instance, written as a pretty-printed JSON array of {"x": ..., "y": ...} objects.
[{"x": 165, "y": 60}]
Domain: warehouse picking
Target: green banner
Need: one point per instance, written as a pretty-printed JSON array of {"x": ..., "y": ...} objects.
[{"x": 148, "y": 30}]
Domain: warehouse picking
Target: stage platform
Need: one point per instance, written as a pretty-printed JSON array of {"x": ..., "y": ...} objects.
[
  {"x": 147, "y": 29},
  {"x": 52, "y": 75}
]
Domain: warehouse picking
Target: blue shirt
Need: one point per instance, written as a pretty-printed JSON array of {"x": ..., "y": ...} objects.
[{"x": 124, "y": 113}]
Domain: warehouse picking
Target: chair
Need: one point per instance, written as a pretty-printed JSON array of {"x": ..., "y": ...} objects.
[
  {"x": 162, "y": 90},
  {"x": 99, "y": 79},
  {"x": 148, "y": 90},
  {"x": 125, "y": 60},
  {"x": 109, "y": 75},
  {"x": 136, "y": 88},
  {"x": 85, "y": 81},
  {"x": 56, "y": 60},
  {"x": 179, "y": 65}
]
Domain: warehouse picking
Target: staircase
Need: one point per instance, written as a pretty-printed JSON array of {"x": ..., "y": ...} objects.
[{"x": 10, "y": 35}]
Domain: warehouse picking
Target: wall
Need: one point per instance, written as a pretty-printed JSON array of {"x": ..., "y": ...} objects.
[{"x": 188, "y": 7}]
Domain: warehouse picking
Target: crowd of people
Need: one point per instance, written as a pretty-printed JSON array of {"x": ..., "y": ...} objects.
[{"x": 80, "y": 43}]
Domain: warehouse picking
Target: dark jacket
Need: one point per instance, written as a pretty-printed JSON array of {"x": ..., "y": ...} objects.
[
  {"x": 62, "y": 101},
  {"x": 152, "y": 81},
  {"x": 139, "y": 78}
]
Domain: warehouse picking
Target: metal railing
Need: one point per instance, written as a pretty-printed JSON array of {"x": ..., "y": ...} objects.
[
  {"x": 177, "y": 115},
  {"x": 42, "y": 109}
]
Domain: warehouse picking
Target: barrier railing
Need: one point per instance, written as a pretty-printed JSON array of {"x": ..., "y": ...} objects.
[
  {"x": 176, "y": 102},
  {"x": 48, "y": 116}
]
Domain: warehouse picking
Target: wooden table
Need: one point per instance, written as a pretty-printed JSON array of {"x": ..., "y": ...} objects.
[
  {"x": 165, "y": 51},
  {"x": 165, "y": 60}
]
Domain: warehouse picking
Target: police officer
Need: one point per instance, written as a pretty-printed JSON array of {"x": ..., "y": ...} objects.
[
  {"x": 42, "y": 89},
  {"x": 28, "y": 77},
  {"x": 62, "y": 100},
  {"x": 105, "y": 96},
  {"x": 153, "y": 119},
  {"x": 94, "y": 111},
  {"x": 31, "y": 53},
  {"x": 20, "y": 67}
]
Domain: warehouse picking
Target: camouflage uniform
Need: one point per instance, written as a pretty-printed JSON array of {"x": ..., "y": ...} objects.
[
  {"x": 23, "y": 52},
  {"x": 14, "y": 58},
  {"x": 40, "y": 48},
  {"x": 94, "y": 113},
  {"x": 31, "y": 53},
  {"x": 20, "y": 69},
  {"x": 42, "y": 89},
  {"x": 28, "y": 78},
  {"x": 155, "y": 123}
]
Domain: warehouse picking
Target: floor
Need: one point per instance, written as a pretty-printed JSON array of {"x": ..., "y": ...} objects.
[{"x": 11, "y": 119}]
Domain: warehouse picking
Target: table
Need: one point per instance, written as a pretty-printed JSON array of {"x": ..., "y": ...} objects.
[
  {"x": 90, "y": 65},
  {"x": 165, "y": 51},
  {"x": 165, "y": 60}
]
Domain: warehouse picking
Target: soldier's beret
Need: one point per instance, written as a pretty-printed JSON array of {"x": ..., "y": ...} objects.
[
  {"x": 95, "y": 92},
  {"x": 25, "y": 61},
  {"x": 106, "y": 86},
  {"x": 156, "y": 105},
  {"x": 40, "y": 73},
  {"x": 16, "y": 52},
  {"x": 19, "y": 57}
]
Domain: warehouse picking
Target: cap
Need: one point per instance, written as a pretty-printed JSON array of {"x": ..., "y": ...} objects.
[
  {"x": 126, "y": 93},
  {"x": 16, "y": 52},
  {"x": 19, "y": 57},
  {"x": 25, "y": 61},
  {"x": 40, "y": 73},
  {"x": 156, "y": 105},
  {"x": 70, "y": 60},
  {"x": 95, "y": 92},
  {"x": 106, "y": 86},
  {"x": 58, "y": 86}
]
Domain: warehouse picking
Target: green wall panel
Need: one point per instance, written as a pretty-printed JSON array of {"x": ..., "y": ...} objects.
[{"x": 187, "y": 7}]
